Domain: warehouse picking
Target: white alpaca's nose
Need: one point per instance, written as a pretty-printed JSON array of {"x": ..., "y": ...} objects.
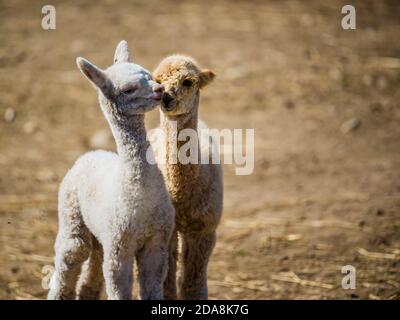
[{"x": 158, "y": 90}]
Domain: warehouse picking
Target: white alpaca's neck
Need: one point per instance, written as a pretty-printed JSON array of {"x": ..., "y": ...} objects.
[
  {"x": 131, "y": 141},
  {"x": 130, "y": 137}
]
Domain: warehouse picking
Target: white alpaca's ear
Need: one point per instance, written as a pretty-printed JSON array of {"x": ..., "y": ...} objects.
[
  {"x": 122, "y": 53},
  {"x": 96, "y": 76},
  {"x": 206, "y": 77}
]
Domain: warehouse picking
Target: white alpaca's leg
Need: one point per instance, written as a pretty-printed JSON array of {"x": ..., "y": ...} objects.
[
  {"x": 91, "y": 280},
  {"x": 170, "y": 291},
  {"x": 196, "y": 251},
  {"x": 117, "y": 270},
  {"x": 69, "y": 258},
  {"x": 152, "y": 262},
  {"x": 72, "y": 249}
]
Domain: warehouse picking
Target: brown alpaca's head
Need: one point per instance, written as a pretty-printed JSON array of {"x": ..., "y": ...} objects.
[{"x": 182, "y": 80}]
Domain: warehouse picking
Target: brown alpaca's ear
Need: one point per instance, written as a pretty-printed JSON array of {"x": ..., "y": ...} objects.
[{"x": 206, "y": 77}]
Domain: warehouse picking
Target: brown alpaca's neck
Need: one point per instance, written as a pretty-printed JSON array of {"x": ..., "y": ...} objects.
[{"x": 182, "y": 179}]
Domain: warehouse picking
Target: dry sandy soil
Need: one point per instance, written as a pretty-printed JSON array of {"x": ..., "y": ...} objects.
[{"x": 320, "y": 197}]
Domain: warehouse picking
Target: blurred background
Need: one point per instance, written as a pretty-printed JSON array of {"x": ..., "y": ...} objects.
[{"x": 324, "y": 103}]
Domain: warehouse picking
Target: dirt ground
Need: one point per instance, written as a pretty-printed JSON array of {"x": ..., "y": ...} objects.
[{"x": 324, "y": 103}]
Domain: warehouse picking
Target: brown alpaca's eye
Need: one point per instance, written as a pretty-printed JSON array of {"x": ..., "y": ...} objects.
[
  {"x": 187, "y": 83},
  {"x": 158, "y": 81}
]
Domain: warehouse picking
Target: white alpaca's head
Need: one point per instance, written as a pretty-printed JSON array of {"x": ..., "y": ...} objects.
[
  {"x": 182, "y": 79},
  {"x": 128, "y": 87}
]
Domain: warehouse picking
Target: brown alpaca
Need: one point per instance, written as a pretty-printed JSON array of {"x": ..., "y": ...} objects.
[{"x": 196, "y": 190}]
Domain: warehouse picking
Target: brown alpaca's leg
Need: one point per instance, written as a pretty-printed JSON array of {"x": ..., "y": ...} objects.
[
  {"x": 196, "y": 251},
  {"x": 91, "y": 281},
  {"x": 170, "y": 292}
]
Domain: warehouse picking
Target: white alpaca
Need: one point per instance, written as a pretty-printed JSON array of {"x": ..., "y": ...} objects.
[{"x": 111, "y": 205}]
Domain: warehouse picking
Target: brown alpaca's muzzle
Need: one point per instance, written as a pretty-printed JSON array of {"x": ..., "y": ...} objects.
[{"x": 168, "y": 102}]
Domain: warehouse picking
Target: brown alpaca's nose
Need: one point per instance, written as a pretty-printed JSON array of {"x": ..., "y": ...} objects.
[{"x": 166, "y": 99}]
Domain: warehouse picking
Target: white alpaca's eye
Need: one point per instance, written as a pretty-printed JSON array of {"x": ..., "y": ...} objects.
[{"x": 129, "y": 91}]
